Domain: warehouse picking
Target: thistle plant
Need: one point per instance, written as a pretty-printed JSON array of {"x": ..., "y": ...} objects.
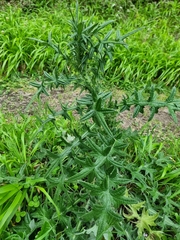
[{"x": 99, "y": 150}]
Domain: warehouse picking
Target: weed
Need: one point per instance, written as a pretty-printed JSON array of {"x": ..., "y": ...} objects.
[
  {"x": 103, "y": 182},
  {"x": 98, "y": 161}
]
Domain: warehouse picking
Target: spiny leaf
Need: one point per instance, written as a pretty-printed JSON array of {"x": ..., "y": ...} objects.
[
  {"x": 172, "y": 113},
  {"x": 83, "y": 173},
  {"x": 102, "y": 226},
  {"x": 86, "y": 100},
  {"x": 104, "y": 95},
  {"x": 107, "y": 35},
  {"x": 136, "y": 111},
  {"x": 153, "y": 111},
  {"x": 102, "y": 122},
  {"x": 92, "y": 187},
  {"x": 114, "y": 162},
  {"x": 172, "y": 95},
  {"x": 38, "y": 40},
  {"x": 88, "y": 115},
  {"x": 126, "y": 200},
  {"x": 152, "y": 96},
  {"x": 172, "y": 175},
  {"x": 113, "y": 217},
  {"x": 98, "y": 104},
  {"x": 94, "y": 146},
  {"x": 169, "y": 222},
  {"x": 91, "y": 29},
  {"x": 145, "y": 221},
  {"x": 118, "y": 192}
]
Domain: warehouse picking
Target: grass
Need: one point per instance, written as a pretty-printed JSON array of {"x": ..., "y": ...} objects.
[
  {"x": 18, "y": 53},
  {"x": 154, "y": 51},
  {"x": 76, "y": 173}
]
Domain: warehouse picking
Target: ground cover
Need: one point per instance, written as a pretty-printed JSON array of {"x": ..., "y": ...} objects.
[
  {"x": 72, "y": 169},
  {"x": 154, "y": 51}
]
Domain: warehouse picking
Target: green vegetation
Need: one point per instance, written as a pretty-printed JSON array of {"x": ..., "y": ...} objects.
[
  {"x": 76, "y": 173},
  {"x": 154, "y": 51},
  {"x": 18, "y": 53}
]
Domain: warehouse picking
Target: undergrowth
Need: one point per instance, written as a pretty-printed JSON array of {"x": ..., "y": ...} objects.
[
  {"x": 75, "y": 173},
  {"x": 154, "y": 51}
]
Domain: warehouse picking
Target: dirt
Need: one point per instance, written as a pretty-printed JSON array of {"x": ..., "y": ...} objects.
[{"x": 16, "y": 102}]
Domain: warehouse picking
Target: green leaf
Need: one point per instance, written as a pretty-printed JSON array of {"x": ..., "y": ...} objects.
[
  {"x": 172, "y": 95},
  {"x": 58, "y": 159},
  {"x": 169, "y": 222},
  {"x": 93, "y": 146},
  {"x": 9, "y": 187},
  {"x": 136, "y": 111},
  {"x": 152, "y": 96},
  {"x": 6, "y": 216},
  {"x": 172, "y": 113},
  {"x": 52, "y": 78},
  {"x": 105, "y": 95},
  {"x": 38, "y": 40},
  {"x": 102, "y": 226},
  {"x": 91, "y": 29},
  {"x": 83, "y": 173},
  {"x": 107, "y": 36},
  {"x": 175, "y": 174},
  {"x": 92, "y": 230},
  {"x": 103, "y": 25},
  {"x": 98, "y": 104},
  {"x": 86, "y": 100},
  {"x": 115, "y": 163},
  {"x": 126, "y": 200},
  {"x": 44, "y": 232},
  {"x": 88, "y": 115},
  {"x": 99, "y": 209},
  {"x": 153, "y": 111},
  {"x": 118, "y": 193},
  {"x": 4, "y": 197},
  {"x": 130, "y": 33},
  {"x": 102, "y": 122},
  {"x": 145, "y": 221},
  {"x": 113, "y": 217},
  {"x": 92, "y": 187},
  {"x": 49, "y": 198}
]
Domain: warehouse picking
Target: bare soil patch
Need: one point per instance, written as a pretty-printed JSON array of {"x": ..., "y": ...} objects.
[{"x": 16, "y": 102}]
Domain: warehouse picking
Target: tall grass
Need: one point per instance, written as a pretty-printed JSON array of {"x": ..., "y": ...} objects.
[
  {"x": 154, "y": 52},
  {"x": 17, "y": 52}
]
